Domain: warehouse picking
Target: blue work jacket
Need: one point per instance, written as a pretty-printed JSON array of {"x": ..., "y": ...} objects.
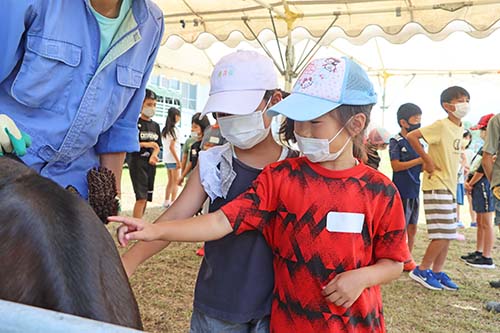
[{"x": 54, "y": 87}]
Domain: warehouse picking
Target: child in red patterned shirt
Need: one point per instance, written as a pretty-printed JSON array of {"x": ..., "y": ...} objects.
[{"x": 336, "y": 226}]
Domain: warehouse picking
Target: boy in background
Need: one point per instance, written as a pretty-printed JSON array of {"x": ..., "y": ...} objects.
[
  {"x": 406, "y": 166},
  {"x": 440, "y": 185}
]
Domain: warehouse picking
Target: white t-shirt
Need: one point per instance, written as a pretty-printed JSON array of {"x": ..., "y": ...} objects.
[{"x": 168, "y": 157}]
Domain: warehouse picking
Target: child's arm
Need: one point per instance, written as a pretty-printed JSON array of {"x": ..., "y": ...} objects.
[
  {"x": 174, "y": 153},
  {"x": 346, "y": 287},
  {"x": 196, "y": 229},
  {"x": 428, "y": 163},
  {"x": 395, "y": 155},
  {"x": 487, "y": 164},
  {"x": 188, "y": 167},
  {"x": 186, "y": 205},
  {"x": 397, "y": 165},
  {"x": 153, "y": 159},
  {"x": 475, "y": 178}
]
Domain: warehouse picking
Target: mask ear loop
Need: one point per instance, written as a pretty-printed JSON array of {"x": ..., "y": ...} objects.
[{"x": 338, "y": 133}]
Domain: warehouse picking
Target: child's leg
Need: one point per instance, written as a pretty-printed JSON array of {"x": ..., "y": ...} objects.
[
  {"x": 411, "y": 207},
  {"x": 175, "y": 179},
  {"x": 139, "y": 208},
  {"x": 412, "y": 232},
  {"x": 435, "y": 248},
  {"x": 168, "y": 189},
  {"x": 441, "y": 257},
  {"x": 488, "y": 234},
  {"x": 472, "y": 213},
  {"x": 480, "y": 232}
]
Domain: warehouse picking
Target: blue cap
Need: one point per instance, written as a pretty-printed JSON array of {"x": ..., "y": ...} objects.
[{"x": 324, "y": 85}]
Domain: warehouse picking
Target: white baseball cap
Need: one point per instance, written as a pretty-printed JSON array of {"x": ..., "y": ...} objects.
[{"x": 239, "y": 81}]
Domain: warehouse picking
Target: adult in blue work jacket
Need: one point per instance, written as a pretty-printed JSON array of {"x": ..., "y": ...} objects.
[{"x": 73, "y": 76}]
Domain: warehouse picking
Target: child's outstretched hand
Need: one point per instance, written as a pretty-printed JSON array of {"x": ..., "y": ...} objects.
[
  {"x": 345, "y": 288},
  {"x": 133, "y": 229}
]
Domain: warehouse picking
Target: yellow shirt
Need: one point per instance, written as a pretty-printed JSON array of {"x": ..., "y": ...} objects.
[{"x": 443, "y": 138}]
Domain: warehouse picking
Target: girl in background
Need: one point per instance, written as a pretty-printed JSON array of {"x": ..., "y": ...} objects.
[{"x": 171, "y": 151}]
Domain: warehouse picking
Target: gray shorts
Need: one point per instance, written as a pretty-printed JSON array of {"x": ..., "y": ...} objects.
[
  {"x": 496, "y": 203},
  {"x": 201, "y": 323}
]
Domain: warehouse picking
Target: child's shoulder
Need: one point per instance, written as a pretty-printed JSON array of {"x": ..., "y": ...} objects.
[
  {"x": 290, "y": 163},
  {"x": 377, "y": 180},
  {"x": 398, "y": 138}
]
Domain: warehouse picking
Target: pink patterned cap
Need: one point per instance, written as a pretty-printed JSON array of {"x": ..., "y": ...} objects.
[{"x": 324, "y": 85}]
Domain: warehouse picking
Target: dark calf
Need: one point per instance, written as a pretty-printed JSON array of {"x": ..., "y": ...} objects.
[{"x": 55, "y": 253}]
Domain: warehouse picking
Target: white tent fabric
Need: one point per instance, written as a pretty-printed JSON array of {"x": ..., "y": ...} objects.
[
  {"x": 291, "y": 23},
  {"x": 202, "y": 22},
  {"x": 458, "y": 54}
]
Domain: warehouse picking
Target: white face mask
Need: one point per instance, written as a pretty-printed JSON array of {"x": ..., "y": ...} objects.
[
  {"x": 461, "y": 110},
  {"x": 318, "y": 150},
  {"x": 149, "y": 112},
  {"x": 244, "y": 131}
]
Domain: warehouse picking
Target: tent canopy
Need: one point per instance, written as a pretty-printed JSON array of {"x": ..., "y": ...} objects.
[
  {"x": 284, "y": 29},
  {"x": 202, "y": 22}
]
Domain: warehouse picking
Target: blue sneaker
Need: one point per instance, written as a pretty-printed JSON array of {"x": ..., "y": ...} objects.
[
  {"x": 426, "y": 278},
  {"x": 446, "y": 281},
  {"x": 460, "y": 225},
  {"x": 473, "y": 224}
]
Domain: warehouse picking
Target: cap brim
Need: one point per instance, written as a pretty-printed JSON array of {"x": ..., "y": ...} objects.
[
  {"x": 234, "y": 102},
  {"x": 302, "y": 107},
  {"x": 477, "y": 127}
]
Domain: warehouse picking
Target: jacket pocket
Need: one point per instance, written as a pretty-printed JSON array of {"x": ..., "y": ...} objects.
[
  {"x": 128, "y": 80},
  {"x": 46, "y": 73}
]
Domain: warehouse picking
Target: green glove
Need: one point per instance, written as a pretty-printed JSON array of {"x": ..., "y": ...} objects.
[{"x": 12, "y": 140}]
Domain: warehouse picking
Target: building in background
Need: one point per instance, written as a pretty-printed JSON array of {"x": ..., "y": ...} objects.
[{"x": 187, "y": 97}]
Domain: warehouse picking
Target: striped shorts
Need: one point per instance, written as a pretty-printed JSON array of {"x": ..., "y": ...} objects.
[{"x": 440, "y": 214}]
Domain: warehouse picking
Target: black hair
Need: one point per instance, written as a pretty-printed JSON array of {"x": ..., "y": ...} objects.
[
  {"x": 343, "y": 114},
  {"x": 452, "y": 93},
  {"x": 203, "y": 122},
  {"x": 150, "y": 94},
  {"x": 466, "y": 134},
  {"x": 408, "y": 110},
  {"x": 169, "y": 128},
  {"x": 286, "y": 130}
]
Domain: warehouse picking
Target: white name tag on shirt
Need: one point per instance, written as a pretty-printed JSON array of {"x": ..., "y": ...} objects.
[
  {"x": 214, "y": 140},
  {"x": 345, "y": 222}
]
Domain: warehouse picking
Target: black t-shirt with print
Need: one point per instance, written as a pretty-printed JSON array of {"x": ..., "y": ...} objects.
[{"x": 149, "y": 131}]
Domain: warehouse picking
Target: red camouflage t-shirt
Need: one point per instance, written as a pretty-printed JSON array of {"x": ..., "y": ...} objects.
[{"x": 289, "y": 203}]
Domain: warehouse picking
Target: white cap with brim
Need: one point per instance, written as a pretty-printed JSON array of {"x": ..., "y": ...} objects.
[
  {"x": 239, "y": 81},
  {"x": 324, "y": 85},
  {"x": 234, "y": 102}
]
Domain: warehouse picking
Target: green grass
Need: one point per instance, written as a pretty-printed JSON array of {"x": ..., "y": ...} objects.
[{"x": 164, "y": 286}]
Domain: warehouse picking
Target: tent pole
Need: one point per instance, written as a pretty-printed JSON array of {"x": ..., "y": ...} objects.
[
  {"x": 264, "y": 48},
  {"x": 290, "y": 61},
  {"x": 314, "y": 49}
]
